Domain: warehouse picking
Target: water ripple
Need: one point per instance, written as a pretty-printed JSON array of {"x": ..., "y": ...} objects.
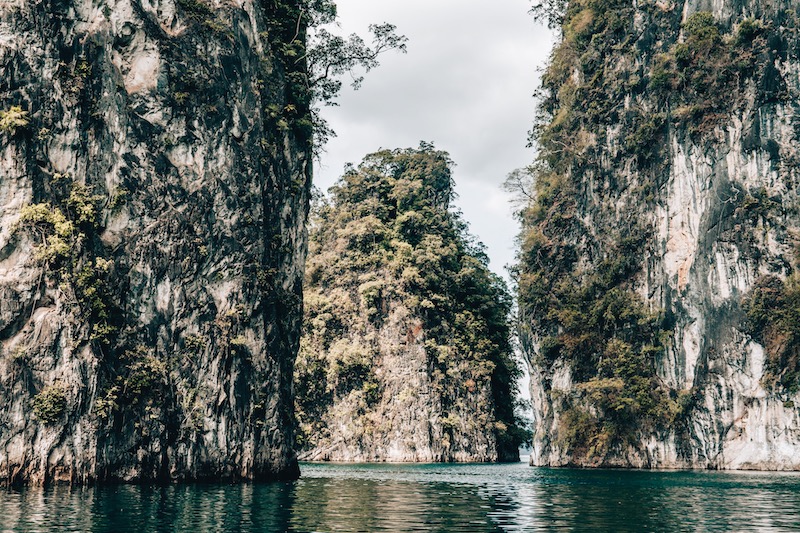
[{"x": 430, "y": 498}]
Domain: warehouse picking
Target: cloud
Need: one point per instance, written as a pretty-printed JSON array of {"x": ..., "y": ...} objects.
[{"x": 465, "y": 84}]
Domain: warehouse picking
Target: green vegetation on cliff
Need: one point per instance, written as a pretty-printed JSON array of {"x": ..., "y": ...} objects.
[
  {"x": 773, "y": 312},
  {"x": 392, "y": 268},
  {"x": 589, "y": 316},
  {"x": 154, "y": 299},
  {"x": 622, "y": 78}
]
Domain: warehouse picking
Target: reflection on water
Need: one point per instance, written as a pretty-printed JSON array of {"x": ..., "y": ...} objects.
[{"x": 468, "y": 498}]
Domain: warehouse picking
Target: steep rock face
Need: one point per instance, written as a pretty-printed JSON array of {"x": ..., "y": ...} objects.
[
  {"x": 154, "y": 175},
  {"x": 405, "y": 354},
  {"x": 666, "y": 210}
]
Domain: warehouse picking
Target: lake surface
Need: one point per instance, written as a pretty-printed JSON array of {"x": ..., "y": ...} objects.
[{"x": 461, "y": 498}]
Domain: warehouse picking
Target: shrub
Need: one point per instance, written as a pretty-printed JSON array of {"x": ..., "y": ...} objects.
[
  {"x": 702, "y": 28},
  {"x": 106, "y": 404},
  {"x": 13, "y": 118},
  {"x": 145, "y": 374},
  {"x": 50, "y": 404},
  {"x": 748, "y": 30},
  {"x": 56, "y": 231}
]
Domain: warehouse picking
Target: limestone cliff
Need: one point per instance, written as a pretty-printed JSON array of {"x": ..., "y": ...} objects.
[
  {"x": 154, "y": 177},
  {"x": 405, "y": 354},
  {"x": 657, "y": 271}
]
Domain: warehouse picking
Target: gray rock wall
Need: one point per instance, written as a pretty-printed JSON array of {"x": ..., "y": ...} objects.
[
  {"x": 702, "y": 257},
  {"x": 152, "y": 238},
  {"x": 408, "y": 422}
]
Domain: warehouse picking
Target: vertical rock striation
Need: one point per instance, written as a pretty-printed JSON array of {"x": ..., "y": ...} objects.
[
  {"x": 154, "y": 178},
  {"x": 657, "y": 270}
]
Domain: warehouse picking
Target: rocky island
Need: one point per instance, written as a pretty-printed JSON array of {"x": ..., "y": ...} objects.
[
  {"x": 658, "y": 289},
  {"x": 406, "y": 353},
  {"x": 154, "y": 184}
]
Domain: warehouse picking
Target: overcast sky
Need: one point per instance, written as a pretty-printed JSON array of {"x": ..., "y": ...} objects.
[{"x": 466, "y": 85}]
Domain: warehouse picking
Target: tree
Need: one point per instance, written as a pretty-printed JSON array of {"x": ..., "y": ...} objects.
[
  {"x": 550, "y": 11},
  {"x": 520, "y": 183},
  {"x": 331, "y": 57}
]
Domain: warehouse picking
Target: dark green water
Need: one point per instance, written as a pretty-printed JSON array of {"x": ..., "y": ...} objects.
[{"x": 463, "y": 498}]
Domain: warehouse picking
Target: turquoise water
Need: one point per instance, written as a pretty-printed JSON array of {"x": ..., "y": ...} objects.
[{"x": 396, "y": 498}]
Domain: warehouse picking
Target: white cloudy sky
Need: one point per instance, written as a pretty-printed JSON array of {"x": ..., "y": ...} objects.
[{"x": 465, "y": 85}]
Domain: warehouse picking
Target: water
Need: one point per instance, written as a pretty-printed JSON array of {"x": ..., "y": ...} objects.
[{"x": 397, "y": 498}]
